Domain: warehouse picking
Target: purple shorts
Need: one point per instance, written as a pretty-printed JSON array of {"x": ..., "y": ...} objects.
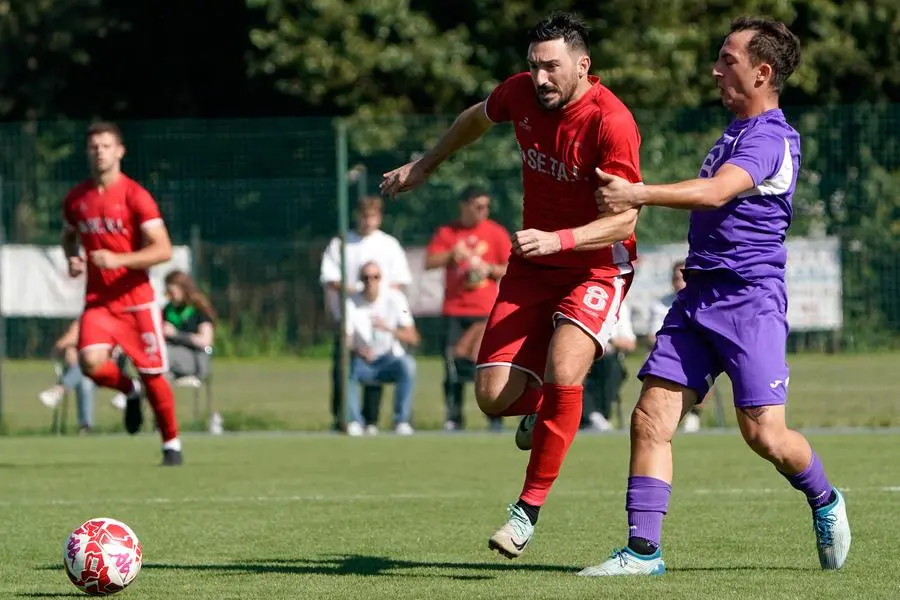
[{"x": 718, "y": 323}]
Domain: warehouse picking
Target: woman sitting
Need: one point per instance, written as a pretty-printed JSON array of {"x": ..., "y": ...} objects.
[{"x": 188, "y": 326}]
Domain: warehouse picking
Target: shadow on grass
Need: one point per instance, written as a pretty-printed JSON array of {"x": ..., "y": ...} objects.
[
  {"x": 363, "y": 565},
  {"x": 735, "y": 568},
  {"x": 49, "y": 595}
]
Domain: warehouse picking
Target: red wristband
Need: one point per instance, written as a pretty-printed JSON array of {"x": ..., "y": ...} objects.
[{"x": 566, "y": 239}]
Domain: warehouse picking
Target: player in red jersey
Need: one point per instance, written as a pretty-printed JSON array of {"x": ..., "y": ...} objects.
[
  {"x": 123, "y": 235},
  {"x": 569, "y": 270}
]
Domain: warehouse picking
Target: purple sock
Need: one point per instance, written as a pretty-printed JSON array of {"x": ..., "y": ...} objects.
[
  {"x": 646, "y": 502},
  {"x": 812, "y": 482}
]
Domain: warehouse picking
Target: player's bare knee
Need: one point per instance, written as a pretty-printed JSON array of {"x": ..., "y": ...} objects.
[
  {"x": 90, "y": 360},
  {"x": 658, "y": 411},
  {"x": 496, "y": 388},
  {"x": 764, "y": 431},
  {"x": 649, "y": 427}
]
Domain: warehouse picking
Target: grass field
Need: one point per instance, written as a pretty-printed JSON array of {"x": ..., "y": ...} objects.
[
  {"x": 318, "y": 516},
  {"x": 826, "y": 391}
]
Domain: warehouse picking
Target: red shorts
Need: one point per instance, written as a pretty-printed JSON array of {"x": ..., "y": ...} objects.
[
  {"x": 138, "y": 332},
  {"x": 533, "y": 299}
]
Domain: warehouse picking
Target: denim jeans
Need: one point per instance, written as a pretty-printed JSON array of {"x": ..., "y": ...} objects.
[
  {"x": 399, "y": 370},
  {"x": 73, "y": 379}
]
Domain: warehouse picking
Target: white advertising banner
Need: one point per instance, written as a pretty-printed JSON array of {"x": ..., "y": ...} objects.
[
  {"x": 34, "y": 281},
  {"x": 813, "y": 280}
]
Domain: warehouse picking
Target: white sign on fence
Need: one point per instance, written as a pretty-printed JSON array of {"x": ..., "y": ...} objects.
[{"x": 34, "y": 281}]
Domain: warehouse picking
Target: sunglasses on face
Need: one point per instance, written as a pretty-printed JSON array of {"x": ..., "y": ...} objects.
[{"x": 367, "y": 277}]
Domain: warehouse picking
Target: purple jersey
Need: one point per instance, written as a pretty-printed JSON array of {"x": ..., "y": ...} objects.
[{"x": 746, "y": 235}]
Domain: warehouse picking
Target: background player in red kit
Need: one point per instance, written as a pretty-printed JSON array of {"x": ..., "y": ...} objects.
[
  {"x": 569, "y": 270},
  {"x": 119, "y": 225}
]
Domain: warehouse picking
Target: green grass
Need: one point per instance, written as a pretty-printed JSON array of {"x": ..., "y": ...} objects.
[
  {"x": 318, "y": 516},
  {"x": 826, "y": 391}
]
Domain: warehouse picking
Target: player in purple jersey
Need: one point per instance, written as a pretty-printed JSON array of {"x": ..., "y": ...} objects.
[{"x": 732, "y": 315}]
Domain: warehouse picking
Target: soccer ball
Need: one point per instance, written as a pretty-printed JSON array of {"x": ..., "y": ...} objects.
[{"x": 102, "y": 556}]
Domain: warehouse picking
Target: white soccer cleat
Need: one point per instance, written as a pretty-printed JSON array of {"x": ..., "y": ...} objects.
[
  {"x": 525, "y": 432},
  {"x": 832, "y": 533},
  {"x": 354, "y": 429},
  {"x": 627, "y": 562},
  {"x": 511, "y": 539},
  {"x": 371, "y": 430}
]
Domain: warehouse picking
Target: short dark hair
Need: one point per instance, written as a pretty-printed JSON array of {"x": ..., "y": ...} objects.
[
  {"x": 568, "y": 26},
  {"x": 98, "y": 127},
  {"x": 472, "y": 192},
  {"x": 772, "y": 43}
]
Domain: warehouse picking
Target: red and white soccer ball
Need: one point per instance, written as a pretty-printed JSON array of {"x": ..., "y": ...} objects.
[{"x": 102, "y": 556}]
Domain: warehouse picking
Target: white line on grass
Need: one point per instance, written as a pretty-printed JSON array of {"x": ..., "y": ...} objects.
[{"x": 350, "y": 498}]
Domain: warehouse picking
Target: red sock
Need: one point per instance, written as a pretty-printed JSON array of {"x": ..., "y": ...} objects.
[
  {"x": 162, "y": 400},
  {"x": 556, "y": 426},
  {"x": 109, "y": 375},
  {"x": 529, "y": 402}
]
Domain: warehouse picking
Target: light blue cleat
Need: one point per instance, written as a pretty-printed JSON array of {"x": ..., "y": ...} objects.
[
  {"x": 832, "y": 533},
  {"x": 511, "y": 539},
  {"x": 627, "y": 562}
]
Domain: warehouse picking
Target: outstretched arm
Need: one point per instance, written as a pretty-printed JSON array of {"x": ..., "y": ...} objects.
[
  {"x": 616, "y": 195},
  {"x": 470, "y": 125}
]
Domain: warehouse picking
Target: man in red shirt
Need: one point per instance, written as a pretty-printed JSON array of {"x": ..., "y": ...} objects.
[
  {"x": 119, "y": 226},
  {"x": 570, "y": 268},
  {"x": 474, "y": 252}
]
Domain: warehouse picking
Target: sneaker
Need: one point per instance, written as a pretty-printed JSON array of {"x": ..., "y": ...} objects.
[
  {"x": 134, "y": 414},
  {"x": 627, "y": 562},
  {"x": 354, "y": 429},
  {"x": 599, "y": 422},
  {"x": 171, "y": 458},
  {"x": 450, "y": 426},
  {"x": 525, "y": 432},
  {"x": 691, "y": 423},
  {"x": 511, "y": 539},
  {"x": 52, "y": 396},
  {"x": 371, "y": 430},
  {"x": 404, "y": 429},
  {"x": 832, "y": 533}
]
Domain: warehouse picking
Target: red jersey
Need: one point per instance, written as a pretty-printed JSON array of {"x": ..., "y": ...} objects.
[
  {"x": 112, "y": 219},
  {"x": 486, "y": 242},
  {"x": 560, "y": 150}
]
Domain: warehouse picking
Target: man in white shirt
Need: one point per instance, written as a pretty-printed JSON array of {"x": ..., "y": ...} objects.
[
  {"x": 602, "y": 385},
  {"x": 366, "y": 243},
  {"x": 658, "y": 313},
  {"x": 379, "y": 325}
]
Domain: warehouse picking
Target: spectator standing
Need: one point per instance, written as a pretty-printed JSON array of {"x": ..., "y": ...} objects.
[
  {"x": 367, "y": 243},
  {"x": 473, "y": 251}
]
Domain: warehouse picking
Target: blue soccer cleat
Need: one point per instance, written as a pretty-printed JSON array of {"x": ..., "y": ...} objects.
[
  {"x": 832, "y": 533},
  {"x": 627, "y": 562}
]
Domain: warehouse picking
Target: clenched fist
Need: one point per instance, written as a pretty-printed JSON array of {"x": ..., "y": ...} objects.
[{"x": 534, "y": 242}]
